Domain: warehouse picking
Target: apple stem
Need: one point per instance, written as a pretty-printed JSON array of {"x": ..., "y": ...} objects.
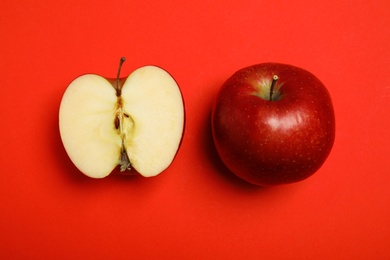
[
  {"x": 271, "y": 91},
  {"x": 118, "y": 88}
]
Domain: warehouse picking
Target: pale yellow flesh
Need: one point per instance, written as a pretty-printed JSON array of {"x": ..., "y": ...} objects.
[{"x": 154, "y": 104}]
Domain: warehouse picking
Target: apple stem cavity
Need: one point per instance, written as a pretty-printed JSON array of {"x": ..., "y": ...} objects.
[
  {"x": 271, "y": 91},
  {"x": 117, "y": 87}
]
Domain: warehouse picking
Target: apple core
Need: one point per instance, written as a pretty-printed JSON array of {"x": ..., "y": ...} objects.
[{"x": 119, "y": 122}]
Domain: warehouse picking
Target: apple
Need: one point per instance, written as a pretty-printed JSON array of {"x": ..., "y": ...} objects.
[
  {"x": 273, "y": 124},
  {"x": 135, "y": 123}
]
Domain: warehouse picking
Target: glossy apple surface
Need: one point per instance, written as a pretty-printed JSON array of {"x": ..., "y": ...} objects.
[{"x": 279, "y": 138}]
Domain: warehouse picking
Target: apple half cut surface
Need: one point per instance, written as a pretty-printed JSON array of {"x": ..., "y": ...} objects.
[{"x": 134, "y": 123}]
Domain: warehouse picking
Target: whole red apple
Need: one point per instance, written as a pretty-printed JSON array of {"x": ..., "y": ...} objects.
[{"x": 273, "y": 124}]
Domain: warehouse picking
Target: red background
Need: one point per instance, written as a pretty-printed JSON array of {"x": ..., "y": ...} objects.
[{"x": 196, "y": 209}]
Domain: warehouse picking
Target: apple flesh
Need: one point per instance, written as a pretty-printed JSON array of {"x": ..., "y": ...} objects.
[
  {"x": 273, "y": 124},
  {"x": 135, "y": 123}
]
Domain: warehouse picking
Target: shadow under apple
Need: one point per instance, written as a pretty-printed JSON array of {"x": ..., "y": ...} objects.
[{"x": 277, "y": 192}]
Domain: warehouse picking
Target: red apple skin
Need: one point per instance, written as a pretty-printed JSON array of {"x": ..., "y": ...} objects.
[{"x": 273, "y": 142}]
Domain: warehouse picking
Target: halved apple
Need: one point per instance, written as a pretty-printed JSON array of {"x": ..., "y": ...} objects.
[{"x": 135, "y": 122}]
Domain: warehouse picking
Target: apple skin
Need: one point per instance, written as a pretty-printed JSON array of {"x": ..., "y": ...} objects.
[{"x": 273, "y": 142}]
